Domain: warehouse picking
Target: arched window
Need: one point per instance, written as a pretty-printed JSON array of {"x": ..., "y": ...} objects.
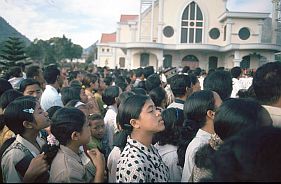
[
  {"x": 167, "y": 61},
  {"x": 213, "y": 62},
  {"x": 192, "y": 24},
  {"x": 144, "y": 59},
  {"x": 191, "y": 61},
  {"x": 122, "y": 62},
  {"x": 245, "y": 63}
]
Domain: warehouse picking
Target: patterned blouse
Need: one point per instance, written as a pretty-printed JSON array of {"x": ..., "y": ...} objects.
[{"x": 139, "y": 163}]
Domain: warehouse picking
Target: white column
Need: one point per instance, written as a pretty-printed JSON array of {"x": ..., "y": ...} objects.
[
  {"x": 274, "y": 20},
  {"x": 152, "y": 21},
  {"x": 237, "y": 60},
  {"x": 139, "y": 23},
  {"x": 128, "y": 63},
  {"x": 260, "y": 24},
  {"x": 160, "y": 21},
  {"x": 228, "y": 31},
  {"x": 159, "y": 56}
]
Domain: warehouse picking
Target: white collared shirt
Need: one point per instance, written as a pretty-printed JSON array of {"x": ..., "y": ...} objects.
[
  {"x": 202, "y": 137},
  {"x": 110, "y": 124},
  {"x": 275, "y": 114},
  {"x": 169, "y": 156},
  {"x": 50, "y": 97},
  {"x": 236, "y": 86}
]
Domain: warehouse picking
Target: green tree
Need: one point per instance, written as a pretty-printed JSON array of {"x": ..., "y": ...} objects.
[{"x": 13, "y": 52}]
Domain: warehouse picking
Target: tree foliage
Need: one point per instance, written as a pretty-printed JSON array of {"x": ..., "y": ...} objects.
[
  {"x": 13, "y": 52},
  {"x": 54, "y": 50}
]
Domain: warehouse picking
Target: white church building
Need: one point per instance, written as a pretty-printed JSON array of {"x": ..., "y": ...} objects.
[{"x": 195, "y": 33}]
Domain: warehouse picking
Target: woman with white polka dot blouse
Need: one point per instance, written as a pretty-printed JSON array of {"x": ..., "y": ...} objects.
[{"x": 140, "y": 160}]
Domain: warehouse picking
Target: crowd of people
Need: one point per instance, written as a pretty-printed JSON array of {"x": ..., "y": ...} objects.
[{"x": 177, "y": 125}]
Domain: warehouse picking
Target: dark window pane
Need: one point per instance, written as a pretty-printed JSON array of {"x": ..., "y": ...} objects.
[
  {"x": 144, "y": 59},
  {"x": 224, "y": 34},
  {"x": 183, "y": 35},
  {"x": 184, "y": 23},
  {"x": 199, "y": 15},
  {"x": 190, "y": 58},
  {"x": 168, "y": 31},
  {"x": 213, "y": 62},
  {"x": 199, "y": 24},
  {"x": 192, "y": 11},
  {"x": 198, "y": 36},
  {"x": 191, "y": 35},
  {"x": 244, "y": 33},
  {"x": 167, "y": 61},
  {"x": 214, "y": 33},
  {"x": 185, "y": 14}
]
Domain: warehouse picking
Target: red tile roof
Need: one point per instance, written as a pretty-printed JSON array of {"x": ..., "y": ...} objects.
[
  {"x": 106, "y": 38},
  {"x": 126, "y": 18}
]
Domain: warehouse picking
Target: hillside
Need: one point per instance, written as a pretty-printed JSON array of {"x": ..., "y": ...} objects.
[{"x": 6, "y": 30}]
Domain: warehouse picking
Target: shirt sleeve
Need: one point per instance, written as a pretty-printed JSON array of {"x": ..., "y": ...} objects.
[{"x": 9, "y": 172}]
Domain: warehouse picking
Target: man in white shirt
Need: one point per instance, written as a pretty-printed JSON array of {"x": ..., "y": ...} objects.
[
  {"x": 51, "y": 97},
  {"x": 236, "y": 84},
  {"x": 267, "y": 87}
]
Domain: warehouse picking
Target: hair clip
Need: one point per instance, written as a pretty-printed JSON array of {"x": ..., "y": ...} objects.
[{"x": 30, "y": 111}]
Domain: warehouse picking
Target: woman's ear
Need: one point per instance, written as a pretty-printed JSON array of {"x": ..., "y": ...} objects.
[
  {"x": 75, "y": 136},
  {"x": 135, "y": 123},
  {"x": 211, "y": 114},
  {"x": 28, "y": 125}
]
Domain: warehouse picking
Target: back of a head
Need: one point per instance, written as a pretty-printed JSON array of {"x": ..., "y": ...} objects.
[
  {"x": 179, "y": 84},
  {"x": 110, "y": 95},
  {"x": 9, "y": 96},
  {"x": 158, "y": 95},
  {"x": 15, "y": 71},
  {"x": 65, "y": 122},
  {"x": 32, "y": 71},
  {"x": 251, "y": 156},
  {"x": 235, "y": 72},
  {"x": 219, "y": 81},
  {"x": 267, "y": 83},
  {"x": 147, "y": 71},
  {"x": 152, "y": 81},
  {"x": 139, "y": 72},
  {"x": 139, "y": 91},
  {"x": 123, "y": 96},
  {"x": 235, "y": 115},
  {"x": 196, "y": 107},
  {"x": 4, "y": 86},
  {"x": 51, "y": 74},
  {"x": 70, "y": 93}
]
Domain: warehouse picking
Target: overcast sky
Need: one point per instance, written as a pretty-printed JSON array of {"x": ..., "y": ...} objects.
[{"x": 83, "y": 21}]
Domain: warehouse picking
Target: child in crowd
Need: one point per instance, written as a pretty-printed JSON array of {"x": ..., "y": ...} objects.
[
  {"x": 25, "y": 118},
  {"x": 71, "y": 128}
]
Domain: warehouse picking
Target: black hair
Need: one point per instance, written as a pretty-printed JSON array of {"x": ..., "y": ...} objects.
[
  {"x": 70, "y": 93},
  {"x": 179, "y": 83},
  {"x": 139, "y": 72},
  {"x": 75, "y": 83},
  {"x": 173, "y": 119},
  {"x": 122, "y": 85},
  {"x": 157, "y": 95},
  {"x": 4, "y": 86},
  {"x": 123, "y": 96},
  {"x": 147, "y": 71},
  {"x": 9, "y": 96},
  {"x": 110, "y": 94},
  {"x": 27, "y": 82},
  {"x": 108, "y": 80},
  {"x": 219, "y": 81},
  {"x": 139, "y": 91},
  {"x": 88, "y": 79},
  {"x": 51, "y": 74},
  {"x": 237, "y": 114},
  {"x": 152, "y": 82},
  {"x": 251, "y": 156},
  {"x": 267, "y": 83},
  {"x": 93, "y": 117},
  {"x": 236, "y": 72},
  {"x": 32, "y": 71},
  {"x": 185, "y": 69},
  {"x": 141, "y": 84},
  {"x": 65, "y": 122},
  {"x": 193, "y": 79},
  {"x": 51, "y": 111},
  {"x": 17, "y": 112}
]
